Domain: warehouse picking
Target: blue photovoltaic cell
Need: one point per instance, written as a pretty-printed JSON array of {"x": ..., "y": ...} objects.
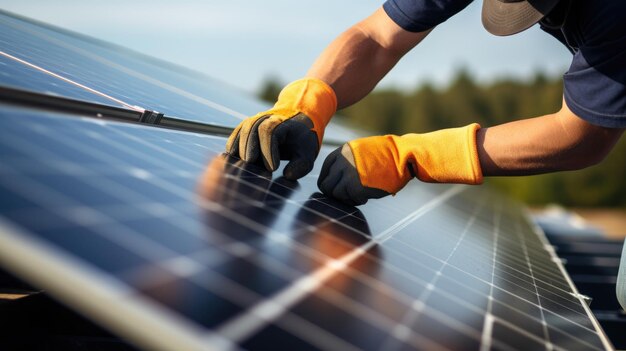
[
  {"x": 17, "y": 75},
  {"x": 249, "y": 259}
]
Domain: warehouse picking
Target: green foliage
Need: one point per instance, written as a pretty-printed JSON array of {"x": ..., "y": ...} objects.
[
  {"x": 464, "y": 101},
  {"x": 270, "y": 89}
]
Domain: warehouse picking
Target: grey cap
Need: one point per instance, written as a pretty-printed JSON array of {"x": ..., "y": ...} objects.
[{"x": 506, "y": 17}]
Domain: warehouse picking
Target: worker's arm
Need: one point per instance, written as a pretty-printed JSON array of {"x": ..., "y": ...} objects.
[
  {"x": 378, "y": 166},
  {"x": 345, "y": 72},
  {"x": 360, "y": 57},
  {"x": 556, "y": 142}
]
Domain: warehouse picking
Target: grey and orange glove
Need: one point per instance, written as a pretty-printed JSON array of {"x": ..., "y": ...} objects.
[
  {"x": 378, "y": 166},
  {"x": 292, "y": 130}
]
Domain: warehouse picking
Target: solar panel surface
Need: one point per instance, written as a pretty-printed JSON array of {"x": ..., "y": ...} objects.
[
  {"x": 175, "y": 244},
  {"x": 18, "y": 75}
]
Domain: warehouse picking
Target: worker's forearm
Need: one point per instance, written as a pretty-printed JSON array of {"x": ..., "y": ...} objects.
[
  {"x": 544, "y": 144},
  {"x": 352, "y": 65},
  {"x": 360, "y": 57}
]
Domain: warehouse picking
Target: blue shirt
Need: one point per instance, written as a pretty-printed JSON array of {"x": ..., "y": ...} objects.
[{"x": 594, "y": 87}]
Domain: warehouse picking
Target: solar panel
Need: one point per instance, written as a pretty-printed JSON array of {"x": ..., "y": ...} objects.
[
  {"x": 165, "y": 241},
  {"x": 122, "y": 74},
  {"x": 50, "y": 60}
]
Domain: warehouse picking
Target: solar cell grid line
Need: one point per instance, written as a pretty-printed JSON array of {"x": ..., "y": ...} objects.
[
  {"x": 157, "y": 148},
  {"x": 556, "y": 298},
  {"x": 18, "y": 75},
  {"x": 107, "y": 98},
  {"x": 127, "y": 194},
  {"x": 521, "y": 298},
  {"x": 418, "y": 304},
  {"x": 241, "y": 328},
  {"x": 478, "y": 328},
  {"x": 518, "y": 285},
  {"x": 533, "y": 227},
  {"x": 546, "y": 274},
  {"x": 486, "y": 337},
  {"x": 516, "y": 270},
  {"x": 530, "y": 265},
  {"x": 549, "y": 345}
]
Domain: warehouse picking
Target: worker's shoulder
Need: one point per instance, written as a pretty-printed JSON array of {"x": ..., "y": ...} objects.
[
  {"x": 600, "y": 21},
  {"x": 421, "y": 15}
]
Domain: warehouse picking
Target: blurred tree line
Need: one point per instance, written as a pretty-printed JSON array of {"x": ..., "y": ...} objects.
[{"x": 465, "y": 101}]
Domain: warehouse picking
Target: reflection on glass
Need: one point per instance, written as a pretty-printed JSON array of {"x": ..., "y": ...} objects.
[
  {"x": 241, "y": 199},
  {"x": 334, "y": 231},
  {"x": 242, "y": 204}
]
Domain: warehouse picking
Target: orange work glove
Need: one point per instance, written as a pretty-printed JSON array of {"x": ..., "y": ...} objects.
[
  {"x": 378, "y": 166},
  {"x": 292, "y": 130}
]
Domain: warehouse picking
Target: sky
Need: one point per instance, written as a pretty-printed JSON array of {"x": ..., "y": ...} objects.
[{"x": 245, "y": 42}]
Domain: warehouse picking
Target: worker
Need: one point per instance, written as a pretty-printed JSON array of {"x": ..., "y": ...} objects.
[
  {"x": 591, "y": 119},
  {"x": 589, "y": 123}
]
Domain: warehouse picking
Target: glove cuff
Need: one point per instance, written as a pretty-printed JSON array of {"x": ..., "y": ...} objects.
[
  {"x": 312, "y": 97},
  {"x": 380, "y": 163},
  {"x": 444, "y": 156}
]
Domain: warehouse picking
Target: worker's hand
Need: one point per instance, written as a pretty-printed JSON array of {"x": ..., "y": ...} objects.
[
  {"x": 370, "y": 168},
  {"x": 292, "y": 130}
]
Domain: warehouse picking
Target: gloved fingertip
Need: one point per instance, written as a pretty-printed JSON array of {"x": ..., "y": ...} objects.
[
  {"x": 270, "y": 166},
  {"x": 327, "y": 166},
  {"x": 232, "y": 146},
  {"x": 328, "y": 185},
  {"x": 297, "y": 169}
]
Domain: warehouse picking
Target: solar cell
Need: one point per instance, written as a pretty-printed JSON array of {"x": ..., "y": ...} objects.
[
  {"x": 158, "y": 236},
  {"x": 18, "y": 75}
]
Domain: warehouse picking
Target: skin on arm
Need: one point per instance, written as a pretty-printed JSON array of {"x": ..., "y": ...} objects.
[
  {"x": 557, "y": 142},
  {"x": 360, "y": 57}
]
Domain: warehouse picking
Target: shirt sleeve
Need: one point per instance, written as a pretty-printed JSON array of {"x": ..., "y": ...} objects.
[
  {"x": 594, "y": 87},
  {"x": 421, "y": 15}
]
